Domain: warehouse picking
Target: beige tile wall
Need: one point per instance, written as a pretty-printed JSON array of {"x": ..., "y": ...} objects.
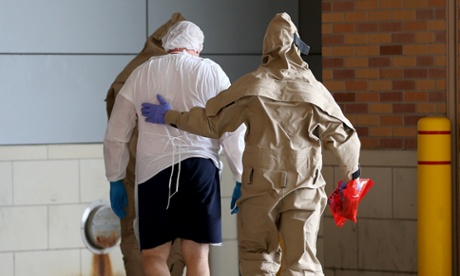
[
  {"x": 45, "y": 189},
  {"x": 384, "y": 241}
]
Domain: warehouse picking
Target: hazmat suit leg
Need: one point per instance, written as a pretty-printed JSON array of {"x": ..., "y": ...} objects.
[
  {"x": 300, "y": 217},
  {"x": 258, "y": 240},
  {"x": 129, "y": 246},
  {"x": 295, "y": 218},
  {"x": 175, "y": 261}
]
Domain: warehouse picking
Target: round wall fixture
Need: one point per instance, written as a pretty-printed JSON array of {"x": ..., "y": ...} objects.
[{"x": 100, "y": 227}]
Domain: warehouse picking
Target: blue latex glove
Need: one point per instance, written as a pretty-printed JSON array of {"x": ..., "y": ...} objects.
[
  {"x": 118, "y": 198},
  {"x": 155, "y": 113},
  {"x": 236, "y": 194}
]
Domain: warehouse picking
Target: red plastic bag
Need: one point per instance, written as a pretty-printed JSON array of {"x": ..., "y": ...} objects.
[{"x": 343, "y": 202}]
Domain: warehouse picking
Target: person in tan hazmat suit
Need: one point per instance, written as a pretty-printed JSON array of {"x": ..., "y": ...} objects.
[
  {"x": 125, "y": 197},
  {"x": 289, "y": 117}
]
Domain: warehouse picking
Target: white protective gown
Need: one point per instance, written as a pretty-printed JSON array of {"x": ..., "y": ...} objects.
[{"x": 162, "y": 146}]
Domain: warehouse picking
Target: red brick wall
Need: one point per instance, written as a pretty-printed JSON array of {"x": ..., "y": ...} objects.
[{"x": 385, "y": 63}]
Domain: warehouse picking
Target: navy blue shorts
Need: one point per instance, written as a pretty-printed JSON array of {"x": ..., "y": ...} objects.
[{"x": 194, "y": 212}]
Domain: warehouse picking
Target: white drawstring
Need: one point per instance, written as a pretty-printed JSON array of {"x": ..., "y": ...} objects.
[{"x": 174, "y": 146}]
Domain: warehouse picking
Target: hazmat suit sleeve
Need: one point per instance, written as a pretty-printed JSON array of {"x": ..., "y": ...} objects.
[
  {"x": 228, "y": 128},
  {"x": 198, "y": 122},
  {"x": 342, "y": 141},
  {"x": 118, "y": 134}
]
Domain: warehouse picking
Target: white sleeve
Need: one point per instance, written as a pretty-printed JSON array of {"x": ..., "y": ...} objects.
[
  {"x": 233, "y": 148},
  {"x": 222, "y": 80},
  {"x": 233, "y": 142},
  {"x": 118, "y": 134}
]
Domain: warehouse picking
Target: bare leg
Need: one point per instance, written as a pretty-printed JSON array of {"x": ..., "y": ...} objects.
[
  {"x": 155, "y": 260},
  {"x": 196, "y": 258}
]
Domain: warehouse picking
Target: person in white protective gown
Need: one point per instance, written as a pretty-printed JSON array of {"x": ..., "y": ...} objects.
[
  {"x": 177, "y": 173},
  {"x": 289, "y": 116},
  {"x": 122, "y": 192}
]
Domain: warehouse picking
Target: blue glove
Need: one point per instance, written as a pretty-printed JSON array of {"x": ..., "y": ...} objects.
[
  {"x": 155, "y": 113},
  {"x": 236, "y": 194},
  {"x": 118, "y": 198}
]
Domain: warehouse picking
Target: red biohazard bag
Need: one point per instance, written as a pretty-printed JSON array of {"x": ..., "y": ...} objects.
[{"x": 344, "y": 200}]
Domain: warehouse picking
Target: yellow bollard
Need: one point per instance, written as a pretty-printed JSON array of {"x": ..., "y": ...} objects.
[{"x": 434, "y": 197}]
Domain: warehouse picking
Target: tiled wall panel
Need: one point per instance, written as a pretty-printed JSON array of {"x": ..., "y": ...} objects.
[
  {"x": 224, "y": 259},
  {"x": 230, "y": 27},
  {"x": 387, "y": 245},
  {"x": 49, "y": 263},
  {"x": 46, "y": 182},
  {"x": 73, "y": 26},
  {"x": 405, "y": 193},
  {"x": 49, "y": 99},
  {"x": 7, "y": 263},
  {"x": 23, "y": 228},
  {"x": 93, "y": 184},
  {"x": 65, "y": 226},
  {"x": 6, "y": 178}
]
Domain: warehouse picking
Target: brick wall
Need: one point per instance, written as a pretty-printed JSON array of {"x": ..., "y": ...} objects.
[{"x": 385, "y": 63}]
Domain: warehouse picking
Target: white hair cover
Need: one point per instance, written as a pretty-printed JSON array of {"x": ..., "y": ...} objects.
[{"x": 184, "y": 34}]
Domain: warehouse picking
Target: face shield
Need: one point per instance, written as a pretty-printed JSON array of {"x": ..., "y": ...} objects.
[{"x": 302, "y": 46}]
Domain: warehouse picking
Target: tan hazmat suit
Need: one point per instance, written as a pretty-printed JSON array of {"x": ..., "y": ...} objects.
[
  {"x": 129, "y": 246},
  {"x": 289, "y": 115}
]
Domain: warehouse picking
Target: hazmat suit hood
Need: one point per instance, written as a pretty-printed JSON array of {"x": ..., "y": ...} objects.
[
  {"x": 282, "y": 75},
  {"x": 280, "y": 56}
]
